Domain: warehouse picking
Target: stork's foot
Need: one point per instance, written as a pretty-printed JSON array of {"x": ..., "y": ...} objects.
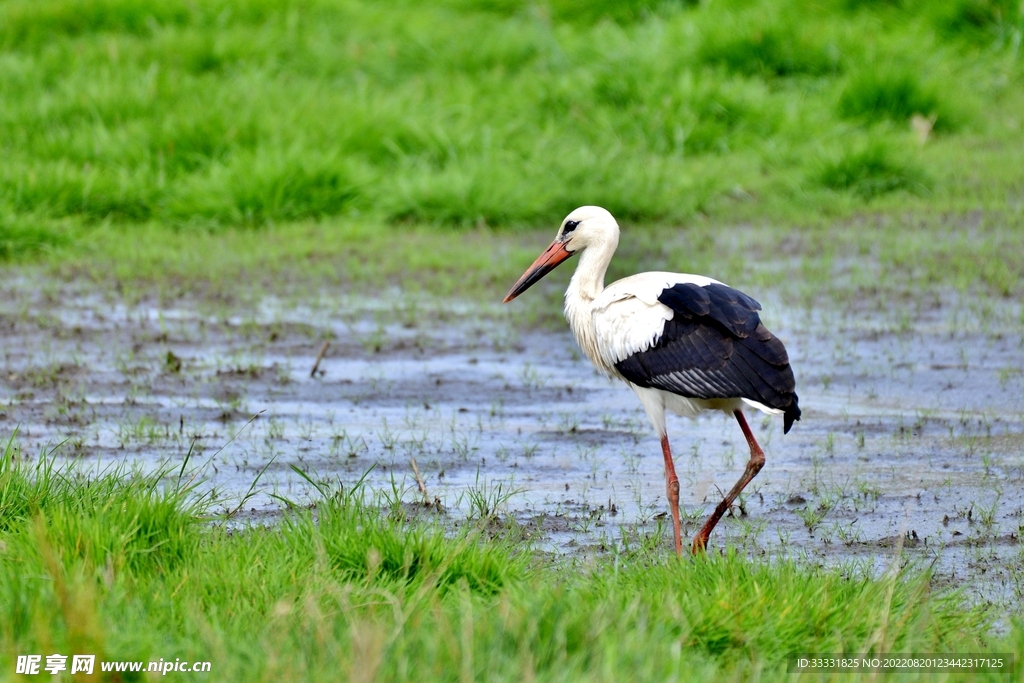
[{"x": 700, "y": 544}]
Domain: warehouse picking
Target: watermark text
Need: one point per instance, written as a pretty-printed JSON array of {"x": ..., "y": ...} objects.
[{"x": 31, "y": 665}]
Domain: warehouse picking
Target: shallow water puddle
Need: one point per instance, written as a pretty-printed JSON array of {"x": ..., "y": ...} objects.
[{"x": 911, "y": 444}]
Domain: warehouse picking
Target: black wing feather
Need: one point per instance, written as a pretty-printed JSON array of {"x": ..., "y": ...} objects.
[{"x": 715, "y": 346}]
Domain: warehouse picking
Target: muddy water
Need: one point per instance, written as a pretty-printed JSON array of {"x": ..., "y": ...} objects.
[{"x": 911, "y": 446}]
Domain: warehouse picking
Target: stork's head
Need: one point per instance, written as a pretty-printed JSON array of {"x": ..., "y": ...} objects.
[{"x": 587, "y": 226}]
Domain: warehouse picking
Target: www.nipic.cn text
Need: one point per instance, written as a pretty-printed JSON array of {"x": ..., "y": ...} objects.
[{"x": 86, "y": 664}]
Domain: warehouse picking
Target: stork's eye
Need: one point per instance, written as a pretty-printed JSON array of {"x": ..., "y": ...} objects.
[{"x": 570, "y": 226}]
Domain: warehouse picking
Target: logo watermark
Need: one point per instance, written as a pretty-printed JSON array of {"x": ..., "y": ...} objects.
[{"x": 31, "y": 665}]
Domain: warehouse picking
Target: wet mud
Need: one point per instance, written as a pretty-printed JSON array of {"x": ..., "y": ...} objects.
[{"x": 911, "y": 446}]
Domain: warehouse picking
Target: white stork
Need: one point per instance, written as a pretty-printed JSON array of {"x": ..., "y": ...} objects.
[{"x": 684, "y": 343}]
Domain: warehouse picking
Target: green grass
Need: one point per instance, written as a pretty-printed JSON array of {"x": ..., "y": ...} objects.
[
  {"x": 873, "y": 171},
  {"x": 124, "y": 566},
  {"x": 24, "y": 237},
  {"x": 777, "y": 49},
  {"x": 498, "y": 112},
  {"x": 863, "y": 259},
  {"x": 234, "y": 148},
  {"x": 896, "y": 96}
]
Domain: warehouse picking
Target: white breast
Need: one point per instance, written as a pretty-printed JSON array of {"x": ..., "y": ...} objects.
[{"x": 626, "y": 318}]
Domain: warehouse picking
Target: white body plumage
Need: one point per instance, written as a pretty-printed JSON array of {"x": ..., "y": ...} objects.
[{"x": 613, "y": 323}]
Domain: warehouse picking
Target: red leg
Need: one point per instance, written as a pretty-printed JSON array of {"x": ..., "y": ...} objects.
[
  {"x": 754, "y": 466},
  {"x": 672, "y": 490}
]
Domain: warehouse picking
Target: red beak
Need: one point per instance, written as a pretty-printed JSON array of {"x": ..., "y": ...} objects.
[{"x": 545, "y": 263}]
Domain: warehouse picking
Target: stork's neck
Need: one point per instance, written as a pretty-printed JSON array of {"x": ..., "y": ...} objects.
[
  {"x": 588, "y": 280},
  {"x": 586, "y": 284}
]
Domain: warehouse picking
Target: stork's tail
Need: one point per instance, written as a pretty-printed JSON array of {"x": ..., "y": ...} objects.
[{"x": 791, "y": 414}]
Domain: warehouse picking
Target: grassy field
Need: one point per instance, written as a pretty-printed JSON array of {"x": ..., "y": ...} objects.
[
  {"x": 863, "y": 150},
  {"x": 127, "y": 567},
  {"x": 359, "y": 121}
]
